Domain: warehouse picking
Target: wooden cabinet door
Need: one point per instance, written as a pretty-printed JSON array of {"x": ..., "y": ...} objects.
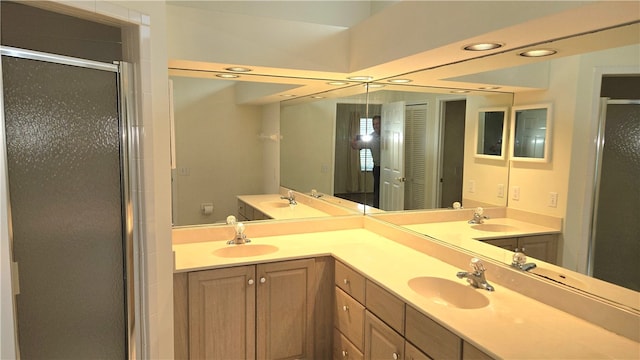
[
  {"x": 381, "y": 341},
  {"x": 285, "y": 310},
  {"x": 541, "y": 247},
  {"x": 222, "y": 313}
]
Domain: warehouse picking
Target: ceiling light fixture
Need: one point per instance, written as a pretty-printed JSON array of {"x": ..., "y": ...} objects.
[
  {"x": 228, "y": 76},
  {"x": 482, "y": 46},
  {"x": 237, "y": 69},
  {"x": 489, "y": 88},
  {"x": 337, "y": 83},
  {"x": 538, "y": 53},
  {"x": 400, "y": 81},
  {"x": 287, "y": 95},
  {"x": 360, "y": 78},
  {"x": 460, "y": 91},
  {"x": 373, "y": 86}
]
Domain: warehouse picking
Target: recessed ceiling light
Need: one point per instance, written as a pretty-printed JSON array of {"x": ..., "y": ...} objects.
[
  {"x": 337, "y": 83},
  {"x": 287, "y": 95},
  {"x": 238, "y": 69},
  {"x": 228, "y": 76},
  {"x": 538, "y": 53},
  {"x": 400, "y": 81},
  {"x": 317, "y": 97},
  {"x": 360, "y": 78},
  {"x": 482, "y": 46},
  {"x": 372, "y": 86},
  {"x": 460, "y": 91},
  {"x": 489, "y": 87}
]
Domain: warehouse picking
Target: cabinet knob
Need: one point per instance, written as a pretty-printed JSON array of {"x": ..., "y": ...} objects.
[
  {"x": 396, "y": 356},
  {"x": 345, "y": 354},
  {"x": 250, "y": 281},
  {"x": 345, "y": 308},
  {"x": 346, "y": 281},
  {"x": 263, "y": 280}
]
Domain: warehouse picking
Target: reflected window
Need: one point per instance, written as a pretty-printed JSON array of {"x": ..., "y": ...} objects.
[{"x": 366, "y": 159}]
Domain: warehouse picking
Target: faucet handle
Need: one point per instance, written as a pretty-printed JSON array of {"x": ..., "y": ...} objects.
[{"x": 477, "y": 265}]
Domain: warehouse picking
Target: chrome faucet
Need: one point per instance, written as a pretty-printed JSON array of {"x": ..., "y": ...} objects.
[
  {"x": 291, "y": 198},
  {"x": 240, "y": 237},
  {"x": 519, "y": 261},
  {"x": 478, "y": 218},
  {"x": 476, "y": 277}
]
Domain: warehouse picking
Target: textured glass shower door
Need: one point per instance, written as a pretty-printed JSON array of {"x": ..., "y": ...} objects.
[
  {"x": 616, "y": 232},
  {"x": 63, "y": 152}
]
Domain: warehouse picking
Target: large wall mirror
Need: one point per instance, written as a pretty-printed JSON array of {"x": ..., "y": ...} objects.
[
  {"x": 425, "y": 131},
  {"x": 254, "y": 147}
]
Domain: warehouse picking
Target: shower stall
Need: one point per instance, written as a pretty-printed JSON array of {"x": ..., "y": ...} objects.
[
  {"x": 615, "y": 240},
  {"x": 71, "y": 223}
]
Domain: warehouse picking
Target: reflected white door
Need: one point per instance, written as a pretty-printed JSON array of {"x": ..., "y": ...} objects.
[{"x": 392, "y": 175}]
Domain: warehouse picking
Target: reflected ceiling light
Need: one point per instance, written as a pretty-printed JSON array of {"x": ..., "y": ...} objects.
[
  {"x": 460, "y": 91},
  {"x": 538, "y": 53},
  {"x": 482, "y": 46},
  {"x": 228, "y": 76},
  {"x": 400, "y": 81},
  {"x": 237, "y": 69},
  {"x": 337, "y": 83},
  {"x": 360, "y": 78}
]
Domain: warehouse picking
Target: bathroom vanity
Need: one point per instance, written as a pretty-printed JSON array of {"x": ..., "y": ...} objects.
[{"x": 370, "y": 297}]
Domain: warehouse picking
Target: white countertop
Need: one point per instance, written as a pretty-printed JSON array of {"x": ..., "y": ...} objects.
[
  {"x": 511, "y": 326},
  {"x": 276, "y": 208}
]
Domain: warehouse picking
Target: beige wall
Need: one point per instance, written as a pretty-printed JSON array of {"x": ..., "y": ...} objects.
[{"x": 218, "y": 152}]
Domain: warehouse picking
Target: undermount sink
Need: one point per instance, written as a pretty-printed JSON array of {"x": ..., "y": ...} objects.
[
  {"x": 245, "y": 250},
  {"x": 494, "y": 227},
  {"x": 449, "y": 293}
]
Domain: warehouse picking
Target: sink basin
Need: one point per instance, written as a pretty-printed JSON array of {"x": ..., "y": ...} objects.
[
  {"x": 245, "y": 250},
  {"x": 449, "y": 293},
  {"x": 494, "y": 227},
  {"x": 276, "y": 204}
]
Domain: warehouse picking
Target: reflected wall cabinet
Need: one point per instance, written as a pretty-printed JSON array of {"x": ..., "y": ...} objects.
[
  {"x": 491, "y": 133},
  {"x": 531, "y": 133}
]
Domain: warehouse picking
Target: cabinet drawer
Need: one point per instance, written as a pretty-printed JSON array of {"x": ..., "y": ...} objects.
[
  {"x": 381, "y": 341},
  {"x": 349, "y": 318},
  {"x": 413, "y": 353},
  {"x": 350, "y": 281},
  {"x": 343, "y": 349},
  {"x": 385, "y": 305},
  {"x": 430, "y": 337}
]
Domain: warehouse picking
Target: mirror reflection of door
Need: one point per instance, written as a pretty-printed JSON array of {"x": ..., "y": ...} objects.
[
  {"x": 453, "y": 124},
  {"x": 392, "y": 175}
]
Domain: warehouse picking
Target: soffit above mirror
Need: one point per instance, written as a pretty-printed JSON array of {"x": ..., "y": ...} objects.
[{"x": 493, "y": 72}]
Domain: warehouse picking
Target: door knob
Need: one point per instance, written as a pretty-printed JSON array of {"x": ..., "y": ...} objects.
[
  {"x": 250, "y": 281},
  {"x": 263, "y": 280}
]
